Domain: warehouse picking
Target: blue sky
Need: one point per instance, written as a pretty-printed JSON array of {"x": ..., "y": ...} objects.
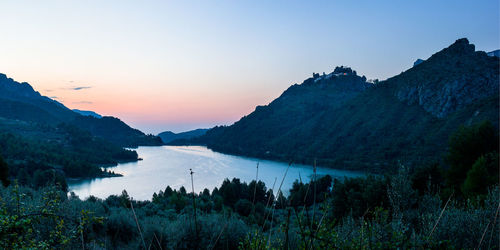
[{"x": 179, "y": 65}]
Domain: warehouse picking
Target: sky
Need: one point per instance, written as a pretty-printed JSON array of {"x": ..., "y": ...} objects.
[{"x": 181, "y": 65}]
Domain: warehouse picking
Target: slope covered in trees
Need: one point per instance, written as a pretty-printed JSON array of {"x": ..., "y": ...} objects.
[
  {"x": 19, "y": 101},
  {"x": 345, "y": 122},
  {"x": 44, "y": 142}
]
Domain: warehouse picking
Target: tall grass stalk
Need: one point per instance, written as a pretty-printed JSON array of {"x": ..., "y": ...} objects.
[
  {"x": 493, "y": 227},
  {"x": 137, "y": 222},
  {"x": 439, "y": 218},
  {"x": 271, "y": 229},
  {"x": 279, "y": 190},
  {"x": 287, "y": 227},
  {"x": 267, "y": 205},
  {"x": 218, "y": 237},
  {"x": 157, "y": 241},
  {"x": 194, "y": 208},
  {"x": 81, "y": 235},
  {"x": 255, "y": 188},
  {"x": 314, "y": 204}
]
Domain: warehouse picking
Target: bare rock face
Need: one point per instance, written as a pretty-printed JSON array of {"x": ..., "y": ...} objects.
[{"x": 455, "y": 77}]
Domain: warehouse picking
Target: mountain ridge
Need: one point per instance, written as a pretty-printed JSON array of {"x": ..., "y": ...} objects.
[
  {"x": 87, "y": 113},
  {"x": 406, "y": 118},
  {"x": 20, "y": 101},
  {"x": 169, "y": 136}
]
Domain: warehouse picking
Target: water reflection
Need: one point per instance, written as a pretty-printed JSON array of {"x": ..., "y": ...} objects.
[{"x": 169, "y": 165}]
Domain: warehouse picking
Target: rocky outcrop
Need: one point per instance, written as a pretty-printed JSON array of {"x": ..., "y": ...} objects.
[{"x": 467, "y": 77}]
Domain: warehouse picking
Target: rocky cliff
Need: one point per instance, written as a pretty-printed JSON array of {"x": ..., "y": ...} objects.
[{"x": 449, "y": 80}]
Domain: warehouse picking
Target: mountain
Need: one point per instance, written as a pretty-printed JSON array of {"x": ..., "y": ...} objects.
[
  {"x": 44, "y": 142},
  {"x": 494, "y": 53},
  {"x": 116, "y": 131},
  {"x": 169, "y": 136},
  {"x": 19, "y": 101},
  {"x": 345, "y": 122},
  {"x": 417, "y": 62},
  {"x": 87, "y": 113}
]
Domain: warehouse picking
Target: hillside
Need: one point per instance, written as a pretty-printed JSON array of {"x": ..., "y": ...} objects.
[
  {"x": 169, "y": 136},
  {"x": 115, "y": 131},
  {"x": 43, "y": 141},
  {"x": 343, "y": 122},
  {"x": 87, "y": 113},
  {"x": 19, "y": 101}
]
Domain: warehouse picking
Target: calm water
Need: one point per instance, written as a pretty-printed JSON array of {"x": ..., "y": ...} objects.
[{"x": 169, "y": 165}]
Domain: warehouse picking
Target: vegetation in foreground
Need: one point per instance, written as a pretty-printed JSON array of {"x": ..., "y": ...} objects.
[{"x": 452, "y": 206}]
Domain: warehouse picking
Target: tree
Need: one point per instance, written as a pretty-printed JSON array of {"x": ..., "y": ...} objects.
[
  {"x": 427, "y": 179},
  {"x": 4, "y": 173},
  {"x": 483, "y": 174},
  {"x": 243, "y": 207},
  {"x": 258, "y": 190},
  {"x": 466, "y": 146}
]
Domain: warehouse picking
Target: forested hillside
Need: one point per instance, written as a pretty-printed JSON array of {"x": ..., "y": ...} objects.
[
  {"x": 344, "y": 122},
  {"x": 19, "y": 101},
  {"x": 44, "y": 142}
]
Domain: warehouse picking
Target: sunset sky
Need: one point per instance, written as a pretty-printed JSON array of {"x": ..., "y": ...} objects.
[{"x": 180, "y": 65}]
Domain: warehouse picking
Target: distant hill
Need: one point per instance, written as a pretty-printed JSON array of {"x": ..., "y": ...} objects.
[
  {"x": 87, "y": 113},
  {"x": 169, "y": 136},
  {"x": 494, "y": 53},
  {"x": 116, "y": 131},
  {"x": 345, "y": 122},
  {"x": 417, "y": 62},
  {"x": 19, "y": 101}
]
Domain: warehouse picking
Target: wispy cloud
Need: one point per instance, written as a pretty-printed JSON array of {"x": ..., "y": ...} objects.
[
  {"x": 53, "y": 97},
  {"x": 80, "y": 88},
  {"x": 83, "y": 102},
  {"x": 74, "y": 85}
]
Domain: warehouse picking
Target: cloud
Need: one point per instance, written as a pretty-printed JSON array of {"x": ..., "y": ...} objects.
[
  {"x": 53, "y": 97},
  {"x": 81, "y": 87},
  {"x": 76, "y": 88},
  {"x": 83, "y": 102}
]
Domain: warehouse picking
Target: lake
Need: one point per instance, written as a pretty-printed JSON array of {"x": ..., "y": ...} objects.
[{"x": 169, "y": 165}]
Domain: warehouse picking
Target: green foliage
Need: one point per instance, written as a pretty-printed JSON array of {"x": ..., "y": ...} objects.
[
  {"x": 428, "y": 178},
  {"x": 48, "y": 219},
  {"x": 256, "y": 240},
  {"x": 75, "y": 153},
  {"x": 243, "y": 207},
  {"x": 4, "y": 172},
  {"x": 482, "y": 175},
  {"x": 467, "y": 145},
  {"x": 304, "y": 194},
  {"x": 357, "y": 196},
  {"x": 38, "y": 220}
]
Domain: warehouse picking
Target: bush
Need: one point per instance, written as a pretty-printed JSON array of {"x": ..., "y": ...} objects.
[{"x": 243, "y": 207}]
